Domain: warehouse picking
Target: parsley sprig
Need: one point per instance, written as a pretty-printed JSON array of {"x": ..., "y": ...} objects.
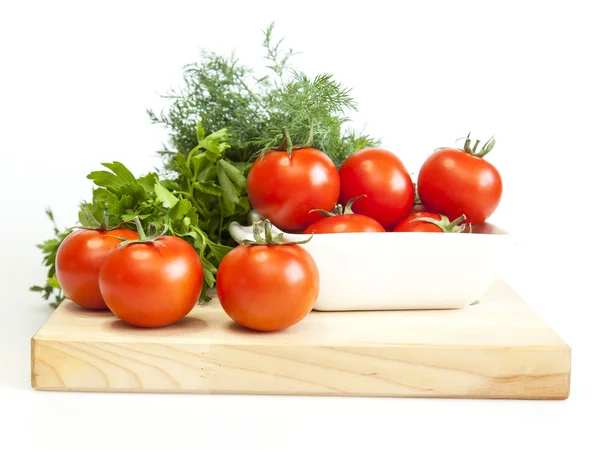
[{"x": 51, "y": 289}]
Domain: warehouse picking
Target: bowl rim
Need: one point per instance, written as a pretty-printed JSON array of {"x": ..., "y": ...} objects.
[{"x": 485, "y": 230}]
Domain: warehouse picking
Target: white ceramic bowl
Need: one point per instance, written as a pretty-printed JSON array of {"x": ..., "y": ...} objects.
[{"x": 384, "y": 271}]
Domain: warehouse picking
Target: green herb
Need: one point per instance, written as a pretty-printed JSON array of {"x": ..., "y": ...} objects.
[
  {"x": 220, "y": 92},
  {"x": 51, "y": 289},
  {"x": 198, "y": 205}
]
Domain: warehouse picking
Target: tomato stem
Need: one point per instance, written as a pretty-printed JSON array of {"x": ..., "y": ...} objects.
[
  {"x": 338, "y": 209},
  {"x": 143, "y": 238},
  {"x": 487, "y": 147},
  {"x": 269, "y": 239},
  {"x": 348, "y": 208},
  {"x": 416, "y": 199},
  {"x": 140, "y": 228},
  {"x": 326, "y": 213},
  {"x": 104, "y": 223},
  {"x": 286, "y": 144},
  {"x": 444, "y": 223},
  {"x": 460, "y": 219},
  {"x": 468, "y": 144}
]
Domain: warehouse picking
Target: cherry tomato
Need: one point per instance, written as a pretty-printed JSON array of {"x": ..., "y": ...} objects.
[
  {"x": 78, "y": 262},
  {"x": 417, "y": 205},
  {"x": 417, "y": 208},
  {"x": 430, "y": 223},
  {"x": 455, "y": 182},
  {"x": 383, "y": 178},
  {"x": 152, "y": 284},
  {"x": 346, "y": 223},
  {"x": 268, "y": 287},
  {"x": 343, "y": 220},
  {"x": 284, "y": 189}
]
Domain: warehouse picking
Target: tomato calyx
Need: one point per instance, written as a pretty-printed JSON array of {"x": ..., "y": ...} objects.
[
  {"x": 288, "y": 146},
  {"x": 444, "y": 223},
  {"x": 339, "y": 210},
  {"x": 269, "y": 238},
  {"x": 144, "y": 238},
  {"x": 487, "y": 147},
  {"x": 89, "y": 222}
]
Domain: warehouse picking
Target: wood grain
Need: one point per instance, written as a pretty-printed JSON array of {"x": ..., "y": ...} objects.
[{"x": 498, "y": 348}]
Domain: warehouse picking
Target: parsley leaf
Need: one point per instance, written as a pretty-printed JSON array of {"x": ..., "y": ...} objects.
[{"x": 168, "y": 200}]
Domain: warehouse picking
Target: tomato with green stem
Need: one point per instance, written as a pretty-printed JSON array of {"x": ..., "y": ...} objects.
[
  {"x": 454, "y": 182},
  {"x": 79, "y": 258},
  {"x": 380, "y": 175},
  {"x": 286, "y": 185},
  {"x": 152, "y": 281},
  {"x": 427, "y": 222},
  {"x": 267, "y": 284},
  {"x": 343, "y": 220},
  {"x": 417, "y": 204}
]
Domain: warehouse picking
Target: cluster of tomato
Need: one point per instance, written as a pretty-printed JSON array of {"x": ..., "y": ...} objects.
[
  {"x": 271, "y": 287},
  {"x": 270, "y": 284},
  {"x": 292, "y": 190},
  {"x": 147, "y": 281}
]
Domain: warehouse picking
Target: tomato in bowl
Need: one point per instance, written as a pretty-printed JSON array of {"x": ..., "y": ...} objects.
[{"x": 396, "y": 271}]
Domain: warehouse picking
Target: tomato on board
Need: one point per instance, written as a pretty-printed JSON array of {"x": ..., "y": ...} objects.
[
  {"x": 284, "y": 189},
  {"x": 343, "y": 220},
  {"x": 381, "y": 176},
  {"x": 268, "y": 287},
  {"x": 459, "y": 181},
  {"x": 78, "y": 262},
  {"x": 430, "y": 223},
  {"x": 153, "y": 283}
]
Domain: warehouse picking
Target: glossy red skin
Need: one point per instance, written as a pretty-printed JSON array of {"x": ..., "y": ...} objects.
[
  {"x": 407, "y": 226},
  {"x": 380, "y": 175},
  {"x": 152, "y": 285},
  {"x": 417, "y": 208},
  {"x": 285, "y": 189},
  {"x": 345, "y": 223},
  {"x": 268, "y": 288},
  {"x": 452, "y": 182},
  {"x": 78, "y": 262}
]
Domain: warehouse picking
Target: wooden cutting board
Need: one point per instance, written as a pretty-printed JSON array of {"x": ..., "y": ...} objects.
[{"x": 497, "y": 348}]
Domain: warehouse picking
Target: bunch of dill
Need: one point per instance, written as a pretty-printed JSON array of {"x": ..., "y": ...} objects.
[{"x": 220, "y": 92}]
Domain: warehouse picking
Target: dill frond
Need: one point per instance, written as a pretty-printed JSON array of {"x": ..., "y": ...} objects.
[{"x": 220, "y": 92}]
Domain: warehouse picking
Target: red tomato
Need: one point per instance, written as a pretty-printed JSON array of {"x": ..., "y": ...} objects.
[
  {"x": 345, "y": 223},
  {"x": 268, "y": 287},
  {"x": 417, "y": 205},
  {"x": 454, "y": 182},
  {"x": 383, "y": 178},
  {"x": 433, "y": 223},
  {"x": 78, "y": 262},
  {"x": 284, "y": 189},
  {"x": 152, "y": 284},
  {"x": 417, "y": 208},
  {"x": 343, "y": 220}
]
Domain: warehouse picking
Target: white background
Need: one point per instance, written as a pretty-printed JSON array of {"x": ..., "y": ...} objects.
[{"x": 75, "y": 79}]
